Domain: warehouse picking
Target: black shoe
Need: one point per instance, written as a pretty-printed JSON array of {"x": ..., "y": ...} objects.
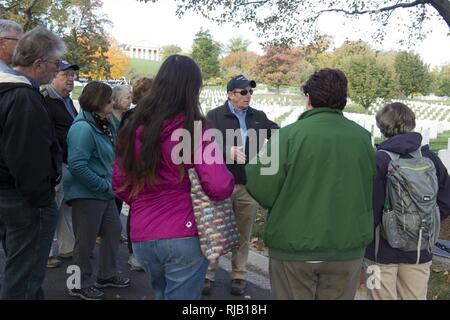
[
  {"x": 207, "y": 288},
  {"x": 117, "y": 281},
  {"x": 89, "y": 293},
  {"x": 238, "y": 287}
]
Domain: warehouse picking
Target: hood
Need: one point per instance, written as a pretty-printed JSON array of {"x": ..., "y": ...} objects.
[
  {"x": 10, "y": 81},
  {"x": 402, "y": 143}
]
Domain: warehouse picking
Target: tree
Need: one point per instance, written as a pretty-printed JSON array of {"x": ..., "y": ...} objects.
[
  {"x": 238, "y": 44},
  {"x": 29, "y": 13},
  {"x": 118, "y": 60},
  {"x": 442, "y": 81},
  {"x": 78, "y": 22},
  {"x": 290, "y": 21},
  {"x": 206, "y": 51},
  {"x": 169, "y": 50},
  {"x": 413, "y": 73},
  {"x": 239, "y": 62},
  {"x": 368, "y": 79},
  {"x": 282, "y": 66}
]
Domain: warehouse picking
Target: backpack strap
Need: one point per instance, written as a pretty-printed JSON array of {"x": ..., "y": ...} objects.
[
  {"x": 416, "y": 154},
  {"x": 392, "y": 155},
  {"x": 377, "y": 241}
]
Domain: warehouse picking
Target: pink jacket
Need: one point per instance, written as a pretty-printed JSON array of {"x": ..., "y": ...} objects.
[{"x": 165, "y": 211}]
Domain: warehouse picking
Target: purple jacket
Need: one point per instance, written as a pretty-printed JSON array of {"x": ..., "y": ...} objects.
[
  {"x": 404, "y": 144},
  {"x": 165, "y": 211}
]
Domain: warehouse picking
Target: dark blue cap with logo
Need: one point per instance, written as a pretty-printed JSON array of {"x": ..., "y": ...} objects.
[
  {"x": 64, "y": 65},
  {"x": 240, "y": 82}
]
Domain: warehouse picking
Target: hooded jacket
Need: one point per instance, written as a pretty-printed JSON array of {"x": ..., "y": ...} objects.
[
  {"x": 90, "y": 160},
  {"x": 403, "y": 144},
  {"x": 164, "y": 211},
  {"x": 30, "y": 157}
]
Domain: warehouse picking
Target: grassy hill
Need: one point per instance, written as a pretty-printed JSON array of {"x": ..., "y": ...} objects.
[{"x": 144, "y": 67}]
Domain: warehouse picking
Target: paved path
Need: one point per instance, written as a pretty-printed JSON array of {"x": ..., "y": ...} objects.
[{"x": 140, "y": 289}]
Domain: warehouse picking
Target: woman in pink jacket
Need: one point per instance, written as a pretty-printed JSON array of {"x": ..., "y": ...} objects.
[{"x": 148, "y": 178}]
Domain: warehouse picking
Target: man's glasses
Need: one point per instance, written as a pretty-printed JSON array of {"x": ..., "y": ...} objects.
[
  {"x": 56, "y": 62},
  {"x": 245, "y": 92}
]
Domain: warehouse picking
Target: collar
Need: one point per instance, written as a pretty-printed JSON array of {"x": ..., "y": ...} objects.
[
  {"x": 227, "y": 111},
  {"x": 33, "y": 82},
  {"x": 315, "y": 111},
  {"x": 233, "y": 109},
  {"x": 53, "y": 93}
]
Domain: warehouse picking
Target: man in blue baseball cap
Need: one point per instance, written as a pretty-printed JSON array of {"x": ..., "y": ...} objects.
[
  {"x": 62, "y": 111},
  {"x": 236, "y": 114}
]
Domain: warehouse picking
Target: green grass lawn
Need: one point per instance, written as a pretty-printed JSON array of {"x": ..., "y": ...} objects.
[
  {"x": 145, "y": 67},
  {"x": 440, "y": 142},
  {"x": 439, "y": 286},
  {"x": 76, "y": 93}
]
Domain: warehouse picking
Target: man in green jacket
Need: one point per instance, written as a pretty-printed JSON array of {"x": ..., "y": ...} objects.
[{"x": 320, "y": 199}]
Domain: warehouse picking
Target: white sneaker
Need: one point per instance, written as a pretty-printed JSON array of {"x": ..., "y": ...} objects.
[{"x": 135, "y": 265}]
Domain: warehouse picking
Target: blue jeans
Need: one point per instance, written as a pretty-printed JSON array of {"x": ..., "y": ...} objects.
[
  {"x": 177, "y": 267},
  {"x": 29, "y": 235}
]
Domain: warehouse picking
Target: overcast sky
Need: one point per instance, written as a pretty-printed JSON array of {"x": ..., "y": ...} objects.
[{"x": 156, "y": 22}]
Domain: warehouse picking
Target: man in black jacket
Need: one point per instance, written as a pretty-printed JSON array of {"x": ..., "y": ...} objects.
[
  {"x": 10, "y": 33},
  {"x": 247, "y": 124},
  {"x": 30, "y": 162},
  {"x": 62, "y": 111}
]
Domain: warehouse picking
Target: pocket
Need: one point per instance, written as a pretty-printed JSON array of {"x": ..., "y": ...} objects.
[
  {"x": 435, "y": 226},
  {"x": 392, "y": 231},
  {"x": 185, "y": 251},
  {"x": 17, "y": 213}
]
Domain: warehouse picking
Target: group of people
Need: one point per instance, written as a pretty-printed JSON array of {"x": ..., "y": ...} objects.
[{"x": 66, "y": 173}]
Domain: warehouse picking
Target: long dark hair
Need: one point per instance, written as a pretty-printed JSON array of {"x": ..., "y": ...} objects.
[{"x": 176, "y": 89}]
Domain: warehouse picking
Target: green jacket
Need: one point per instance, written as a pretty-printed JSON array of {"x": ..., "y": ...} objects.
[{"x": 320, "y": 199}]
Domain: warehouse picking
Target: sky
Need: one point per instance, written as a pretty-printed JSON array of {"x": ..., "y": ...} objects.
[{"x": 156, "y": 22}]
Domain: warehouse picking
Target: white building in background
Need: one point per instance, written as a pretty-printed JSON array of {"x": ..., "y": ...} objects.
[{"x": 143, "y": 50}]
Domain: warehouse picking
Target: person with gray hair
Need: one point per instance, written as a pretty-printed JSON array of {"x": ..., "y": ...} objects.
[
  {"x": 121, "y": 98},
  {"x": 30, "y": 164},
  {"x": 10, "y": 33}
]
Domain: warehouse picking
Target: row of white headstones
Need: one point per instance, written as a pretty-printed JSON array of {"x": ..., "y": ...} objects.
[{"x": 431, "y": 119}]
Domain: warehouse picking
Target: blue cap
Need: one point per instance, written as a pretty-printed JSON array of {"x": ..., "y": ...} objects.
[
  {"x": 64, "y": 65},
  {"x": 240, "y": 82}
]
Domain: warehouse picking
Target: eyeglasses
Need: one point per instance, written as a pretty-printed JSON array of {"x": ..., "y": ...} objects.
[
  {"x": 8, "y": 38},
  {"x": 56, "y": 62},
  {"x": 244, "y": 92}
]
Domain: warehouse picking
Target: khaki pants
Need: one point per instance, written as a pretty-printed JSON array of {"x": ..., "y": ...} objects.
[
  {"x": 299, "y": 280},
  {"x": 397, "y": 281},
  {"x": 244, "y": 207},
  {"x": 65, "y": 237}
]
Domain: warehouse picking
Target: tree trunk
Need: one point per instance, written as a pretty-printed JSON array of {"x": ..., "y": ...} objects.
[{"x": 443, "y": 7}]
